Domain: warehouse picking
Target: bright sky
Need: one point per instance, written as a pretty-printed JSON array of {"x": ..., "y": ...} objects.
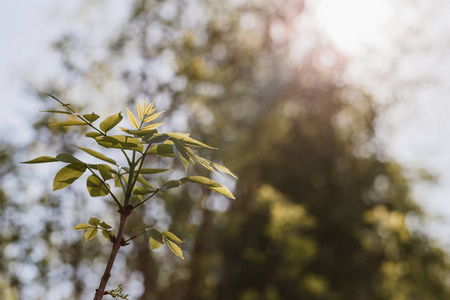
[{"x": 361, "y": 29}]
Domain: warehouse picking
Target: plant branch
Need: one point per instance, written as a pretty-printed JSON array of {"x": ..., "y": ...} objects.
[{"x": 148, "y": 198}]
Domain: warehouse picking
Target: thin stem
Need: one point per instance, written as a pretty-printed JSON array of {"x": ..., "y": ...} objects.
[
  {"x": 148, "y": 198},
  {"x": 135, "y": 236},
  {"x": 116, "y": 246}
]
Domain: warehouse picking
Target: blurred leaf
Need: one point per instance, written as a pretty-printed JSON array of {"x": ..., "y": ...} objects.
[
  {"x": 152, "y": 171},
  {"x": 142, "y": 191},
  {"x": 104, "y": 225},
  {"x": 107, "y": 234},
  {"x": 94, "y": 221},
  {"x": 68, "y": 158},
  {"x": 82, "y": 226},
  {"x": 145, "y": 182},
  {"x": 93, "y": 134},
  {"x": 152, "y": 126},
  {"x": 58, "y": 112},
  {"x": 132, "y": 119},
  {"x": 188, "y": 140},
  {"x": 96, "y": 187},
  {"x": 69, "y": 123},
  {"x": 155, "y": 138},
  {"x": 105, "y": 172},
  {"x": 91, "y": 117},
  {"x": 110, "y": 122},
  {"x": 120, "y": 142},
  {"x": 148, "y": 110},
  {"x": 163, "y": 150},
  {"x": 175, "y": 249},
  {"x": 67, "y": 175},
  {"x": 142, "y": 132},
  {"x": 154, "y": 244},
  {"x": 90, "y": 234},
  {"x": 172, "y": 237},
  {"x": 152, "y": 117},
  {"x": 210, "y": 184},
  {"x": 140, "y": 111},
  {"x": 170, "y": 185},
  {"x": 98, "y": 155},
  {"x": 40, "y": 160},
  {"x": 156, "y": 235}
]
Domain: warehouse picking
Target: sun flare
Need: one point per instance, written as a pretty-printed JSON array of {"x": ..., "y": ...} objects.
[{"x": 353, "y": 24}]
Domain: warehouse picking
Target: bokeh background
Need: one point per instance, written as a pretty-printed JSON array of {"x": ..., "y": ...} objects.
[{"x": 334, "y": 115}]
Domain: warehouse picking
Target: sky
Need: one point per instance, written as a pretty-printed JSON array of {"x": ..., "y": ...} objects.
[{"x": 413, "y": 70}]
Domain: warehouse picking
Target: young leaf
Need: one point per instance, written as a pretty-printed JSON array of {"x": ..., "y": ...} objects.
[
  {"x": 96, "y": 187},
  {"x": 139, "y": 111},
  {"x": 57, "y": 112},
  {"x": 120, "y": 142},
  {"x": 93, "y": 134},
  {"x": 148, "y": 110},
  {"x": 94, "y": 221},
  {"x": 152, "y": 171},
  {"x": 40, "y": 160},
  {"x": 68, "y": 158},
  {"x": 110, "y": 122},
  {"x": 91, "y": 117},
  {"x": 69, "y": 123},
  {"x": 154, "y": 244},
  {"x": 145, "y": 183},
  {"x": 175, "y": 249},
  {"x": 163, "y": 150},
  {"x": 105, "y": 172},
  {"x": 98, "y": 155},
  {"x": 67, "y": 175},
  {"x": 152, "y": 117},
  {"x": 188, "y": 140},
  {"x": 82, "y": 226},
  {"x": 90, "y": 234},
  {"x": 170, "y": 185},
  {"x": 132, "y": 119},
  {"x": 155, "y": 138},
  {"x": 142, "y": 191},
  {"x": 172, "y": 237},
  {"x": 152, "y": 126},
  {"x": 107, "y": 234},
  {"x": 104, "y": 225},
  {"x": 210, "y": 184},
  {"x": 220, "y": 168},
  {"x": 156, "y": 235}
]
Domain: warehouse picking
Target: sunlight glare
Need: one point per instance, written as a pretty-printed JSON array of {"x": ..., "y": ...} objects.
[{"x": 353, "y": 24}]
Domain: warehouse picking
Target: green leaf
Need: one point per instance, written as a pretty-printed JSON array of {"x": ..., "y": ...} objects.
[
  {"x": 175, "y": 249},
  {"x": 107, "y": 234},
  {"x": 152, "y": 117},
  {"x": 110, "y": 122},
  {"x": 98, "y": 155},
  {"x": 105, "y": 172},
  {"x": 172, "y": 237},
  {"x": 142, "y": 191},
  {"x": 148, "y": 110},
  {"x": 93, "y": 134},
  {"x": 152, "y": 171},
  {"x": 40, "y": 160},
  {"x": 91, "y": 117},
  {"x": 188, "y": 140},
  {"x": 210, "y": 184},
  {"x": 94, "y": 221},
  {"x": 145, "y": 183},
  {"x": 139, "y": 111},
  {"x": 132, "y": 119},
  {"x": 69, "y": 123},
  {"x": 155, "y": 138},
  {"x": 141, "y": 132},
  {"x": 184, "y": 157},
  {"x": 156, "y": 235},
  {"x": 90, "y": 234},
  {"x": 104, "y": 225},
  {"x": 163, "y": 150},
  {"x": 82, "y": 226},
  {"x": 152, "y": 126},
  {"x": 67, "y": 175},
  {"x": 68, "y": 158},
  {"x": 57, "y": 112},
  {"x": 221, "y": 168},
  {"x": 170, "y": 185},
  {"x": 96, "y": 187},
  {"x": 154, "y": 244},
  {"x": 120, "y": 142}
]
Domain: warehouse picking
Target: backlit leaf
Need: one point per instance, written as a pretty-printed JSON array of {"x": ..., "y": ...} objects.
[
  {"x": 154, "y": 244},
  {"x": 156, "y": 235},
  {"x": 91, "y": 117},
  {"x": 140, "y": 111},
  {"x": 94, "y": 221},
  {"x": 82, "y": 226},
  {"x": 175, "y": 249},
  {"x": 145, "y": 183},
  {"x": 170, "y": 185},
  {"x": 40, "y": 160},
  {"x": 152, "y": 126},
  {"x": 210, "y": 184},
  {"x": 120, "y": 142},
  {"x": 68, "y": 158},
  {"x": 90, "y": 234},
  {"x": 107, "y": 234},
  {"x": 69, "y": 123},
  {"x": 96, "y": 187},
  {"x": 110, "y": 122},
  {"x": 105, "y": 172},
  {"x": 142, "y": 191},
  {"x": 152, "y": 171},
  {"x": 172, "y": 237},
  {"x": 132, "y": 119},
  {"x": 67, "y": 175},
  {"x": 57, "y": 112},
  {"x": 93, "y": 134},
  {"x": 163, "y": 150},
  {"x": 98, "y": 155},
  {"x": 188, "y": 140},
  {"x": 155, "y": 138},
  {"x": 152, "y": 117},
  {"x": 104, "y": 225}
]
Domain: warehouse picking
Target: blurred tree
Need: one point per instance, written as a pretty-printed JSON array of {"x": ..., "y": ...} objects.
[{"x": 320, "y": 212}]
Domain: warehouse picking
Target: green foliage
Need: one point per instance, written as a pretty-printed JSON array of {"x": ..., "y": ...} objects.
[{"x": 135, "y": 145}]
